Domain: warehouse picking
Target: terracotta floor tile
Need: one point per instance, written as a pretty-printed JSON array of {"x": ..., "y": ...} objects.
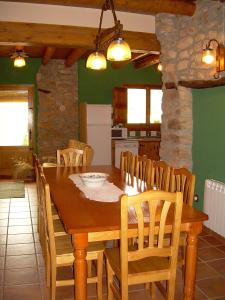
[
  {"x": 3, "y": 239},
  {"x": 21, "y": 261},
  {"x": 18, "y": 209},
  {"x": 3, "y": 215},
  {"x": 4, "y": 222},
  {"x": 2, "y": 262},
  {"x": 25, "y": 292},
  {"x": 19, "y": 215},
  {"x": 222, "y": 248},
  {"x": 20, "y": 249},
  {"x": 213, "y": 287},
  {"x": 2, "y": 250},
  {"x": 205, "y": 271},
  {"x": 202, "y": 243},
  {"x": 210, "y": 253},
  {"x": 218, "y": 265},
  {"x": 21, "y": 276},
  {"x": 20, "y": 238},
  {"x": 205, "y": 231},
  {"x": 1, "y": 293},
  {"x": 20, "y": 229},
  {"x": 3, "y": 230},
  {"x": 19, "y": 222},
  {"x": 65, "y": 293},
  {"x": 213, "y": 241},
  {"x": 1, "y": 277}
]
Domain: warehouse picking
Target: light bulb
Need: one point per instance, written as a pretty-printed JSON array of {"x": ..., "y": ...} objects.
[
  {"x": 159, "y": 67},
  {"x": 96, "y": 61},
  {"x": 208, "y": 56},
  {"x": 118, "y": 50},
  {"x": 19, "y": 62}
]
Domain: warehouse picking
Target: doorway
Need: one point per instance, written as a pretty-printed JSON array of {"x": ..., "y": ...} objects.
[{"x": 16, "y": 131}]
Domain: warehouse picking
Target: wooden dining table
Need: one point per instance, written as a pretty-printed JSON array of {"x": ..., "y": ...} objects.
[{"x": 88, "y": 220}]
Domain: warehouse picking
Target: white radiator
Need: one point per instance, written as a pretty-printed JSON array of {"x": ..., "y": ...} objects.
[{"x": 214, "y": 205}]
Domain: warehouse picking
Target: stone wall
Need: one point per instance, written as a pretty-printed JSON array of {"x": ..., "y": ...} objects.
[
  {"x": 182, "y": 39},
  {"x": 58, "y": 108}
]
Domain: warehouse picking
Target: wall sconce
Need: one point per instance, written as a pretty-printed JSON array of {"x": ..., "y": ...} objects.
[
  {"x": 159, "y": 67},
  {"x": 209, "y": 55},
  {"x": 19, "y": 58},
  {"x": 118, "y": 49}
]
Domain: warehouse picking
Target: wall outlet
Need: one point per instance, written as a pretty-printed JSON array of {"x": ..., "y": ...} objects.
[{"x": 143, "y": 133}]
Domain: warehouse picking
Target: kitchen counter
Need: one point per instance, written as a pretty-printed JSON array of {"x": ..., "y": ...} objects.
[{"x": 145, "y": 139}]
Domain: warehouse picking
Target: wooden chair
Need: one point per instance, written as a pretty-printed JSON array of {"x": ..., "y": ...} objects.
[
  {"x": 127, "y": 164},
  {"x": 59, "y": 251},
  {"x": 182, "y": 180},
  {"x": 160, "y": 177},
  {"x": 143, "y": 169},
  {"x": 88, "y": 150},
  {"x": 70, "y": 157},
  {"x": 151, "y": 261}
]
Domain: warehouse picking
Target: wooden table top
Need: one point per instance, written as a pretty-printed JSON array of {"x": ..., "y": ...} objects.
[{"x": 79, "y": 214}]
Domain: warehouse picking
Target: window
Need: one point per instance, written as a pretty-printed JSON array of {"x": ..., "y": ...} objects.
[{"x": 138, "y": 107}]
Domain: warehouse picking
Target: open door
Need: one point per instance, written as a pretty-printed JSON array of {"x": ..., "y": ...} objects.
[{"x": 16, "y": 131}]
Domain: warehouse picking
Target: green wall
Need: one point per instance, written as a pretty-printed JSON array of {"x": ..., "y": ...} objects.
[
  {"x": 26, "y": 75},
  {"x": 97, "y": 86},
  {"x": 208, "y": 137}
]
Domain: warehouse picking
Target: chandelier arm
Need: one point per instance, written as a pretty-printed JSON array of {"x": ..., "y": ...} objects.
[{"x": 113, "y": 12}]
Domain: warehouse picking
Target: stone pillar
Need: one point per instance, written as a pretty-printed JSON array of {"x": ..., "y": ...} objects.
[
  {"x": 57, "y": 108},
  {"x": 182, "y": 39}
]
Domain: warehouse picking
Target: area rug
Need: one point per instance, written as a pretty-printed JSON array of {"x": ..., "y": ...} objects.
[{"x": 12, "y": 189}]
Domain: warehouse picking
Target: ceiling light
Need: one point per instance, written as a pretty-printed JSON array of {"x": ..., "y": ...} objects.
[
  {"x": 211, "y": 55},
  {"x": 118, "y": 49},
  {"x": 19, "y": 58}
]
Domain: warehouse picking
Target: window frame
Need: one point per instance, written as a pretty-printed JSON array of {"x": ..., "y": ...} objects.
[{"x": 147, "y": 125}]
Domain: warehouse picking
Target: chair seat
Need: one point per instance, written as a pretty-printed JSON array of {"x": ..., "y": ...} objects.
[
  {"x": 148, "y": 265},
  {"x": 64, "y": 247}
]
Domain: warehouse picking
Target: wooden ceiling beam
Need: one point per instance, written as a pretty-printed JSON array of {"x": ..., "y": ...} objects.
[
  {"x": 119, "y": 64},
  {"x": 73, "y": 56},
  {"x": 33, "y": 34},
  {"x": 178, "y": 7},
  {"x": 49, "y": 52},
  {"x": 146, "y": 61}
]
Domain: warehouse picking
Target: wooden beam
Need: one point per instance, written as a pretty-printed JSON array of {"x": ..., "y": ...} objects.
[
  {"x": 146, "y": 61},
  {"x": 119, "y": 64},
  {"x": 27, "y": 34},
  {"x": 196, "y": 84},
  {"x": 178, "y": 7},
  {"x": 49, "y": 52},
  {"x": 73, "y": 56}
]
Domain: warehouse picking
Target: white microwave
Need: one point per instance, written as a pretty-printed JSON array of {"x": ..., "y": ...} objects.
[{"x": 118, "y": 133}]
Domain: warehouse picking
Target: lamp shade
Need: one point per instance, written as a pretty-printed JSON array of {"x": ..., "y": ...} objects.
[
  {"x": 19, "y": 62},
  {"x": 159, "y": 67},
  {"x": 208, "y": 56},
  {"x": 96, "y": 61},
  {"x": 118, "y": 50}
]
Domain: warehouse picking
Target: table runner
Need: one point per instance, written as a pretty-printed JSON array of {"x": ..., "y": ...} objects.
[{"x": 108, "y": 192}]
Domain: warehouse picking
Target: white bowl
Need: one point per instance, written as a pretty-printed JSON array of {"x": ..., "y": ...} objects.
[{"x": 93, "y": 179}]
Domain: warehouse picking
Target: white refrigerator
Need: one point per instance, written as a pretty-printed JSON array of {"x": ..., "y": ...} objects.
[{"x": 95, "y": 130}]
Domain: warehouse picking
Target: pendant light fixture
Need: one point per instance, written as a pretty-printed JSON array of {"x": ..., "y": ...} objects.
[
  {"x": 118, "y": 49},
  {"x": 19, "y": 58}
]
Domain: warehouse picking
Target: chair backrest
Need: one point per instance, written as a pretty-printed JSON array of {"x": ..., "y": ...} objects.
[
  {"x": 143, "y": 168},
  {"x": 160, "y": 177},
  {"x": 47, "y": 219},
  {"x": 88, "y": 150},
  {"x": 127, "y": 163},
  {"x": 70, "y": 157},
  {"x": 182, "y": 180},
  {"x": 149, "y": 210}
]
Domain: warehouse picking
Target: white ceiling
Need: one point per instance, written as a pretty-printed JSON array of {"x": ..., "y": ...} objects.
[{"x": 73, "y": 16}]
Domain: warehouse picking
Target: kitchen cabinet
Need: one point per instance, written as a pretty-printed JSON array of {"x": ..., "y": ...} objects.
[{"x": 149, "y": 148}]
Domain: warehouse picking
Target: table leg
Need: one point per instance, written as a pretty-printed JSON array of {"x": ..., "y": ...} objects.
[
  {"x": 191, "y": 260},
  {"x": 80, "y": 242}
]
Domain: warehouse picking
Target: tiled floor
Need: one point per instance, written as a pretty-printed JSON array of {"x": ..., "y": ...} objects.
[{"x": 22, "y": 266}]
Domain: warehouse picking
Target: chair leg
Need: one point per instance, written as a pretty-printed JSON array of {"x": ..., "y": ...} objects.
[
  {"x": 109, "y": 281},
  {"x": 153, "y": 290},
  {"x": 48, "y": 269},
  {"x": 89, "y": 267},
  {"x": 171, "y": 287},
  {"x": 99, "y": 275},
  {"x": 53, "y": 280}
]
